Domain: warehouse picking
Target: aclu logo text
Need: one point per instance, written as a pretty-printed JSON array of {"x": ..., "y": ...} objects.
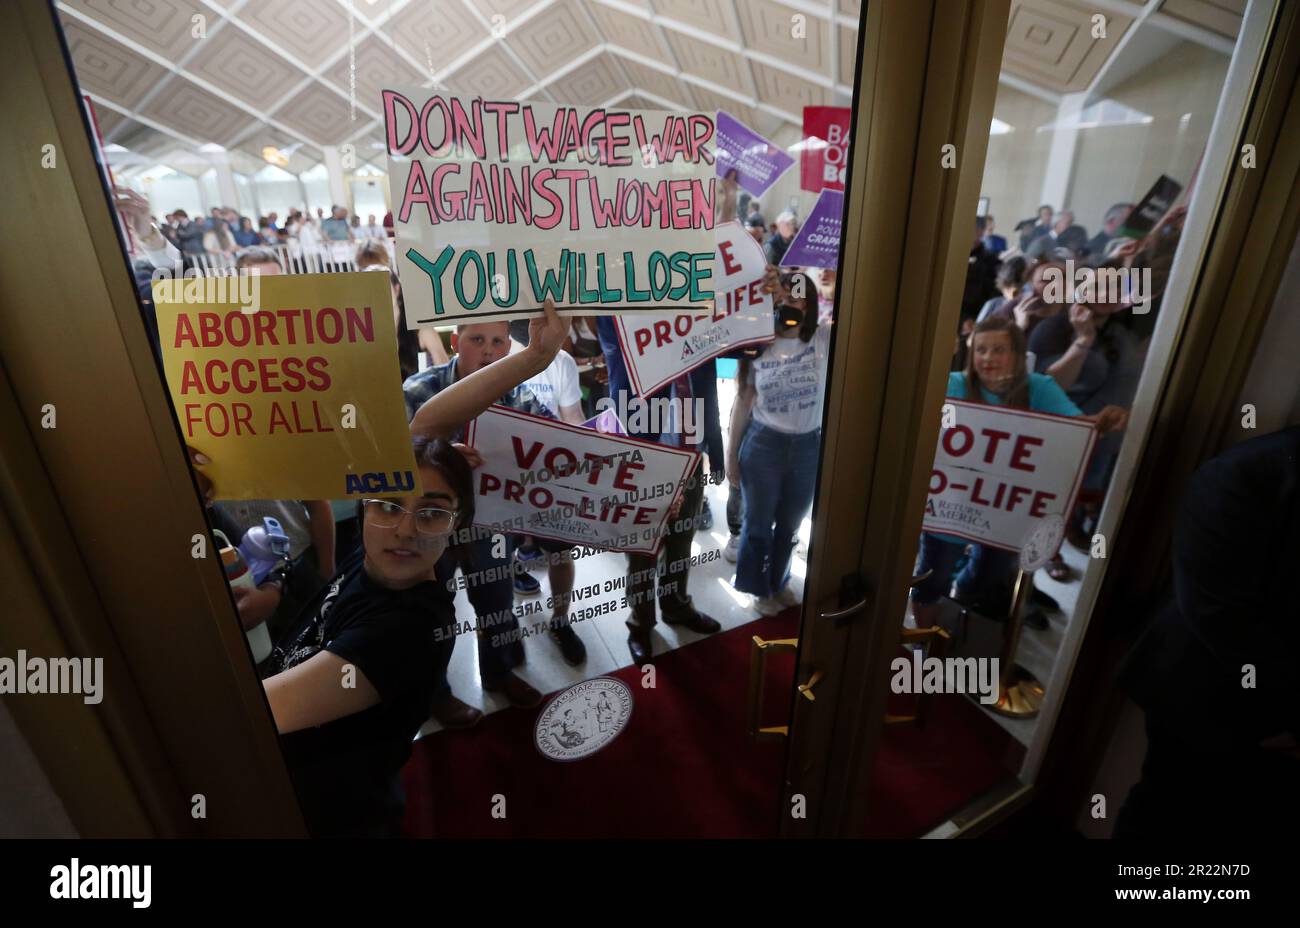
[
  {"x": 399, "y": 481},
  {"x": 970, "y": 675},
  {"x": 103, "y": 881}
]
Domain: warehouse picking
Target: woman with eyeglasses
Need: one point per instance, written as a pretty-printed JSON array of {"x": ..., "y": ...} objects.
[
  {"x": 775, "y": 462},
  {"x": 352, "y": 681}
]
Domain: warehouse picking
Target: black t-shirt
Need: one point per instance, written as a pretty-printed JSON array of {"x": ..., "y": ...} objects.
[{"x": 346, "y": 771}]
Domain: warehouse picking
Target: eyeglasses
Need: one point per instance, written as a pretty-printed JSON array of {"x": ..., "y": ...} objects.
[{"x": 383, "y": 513}]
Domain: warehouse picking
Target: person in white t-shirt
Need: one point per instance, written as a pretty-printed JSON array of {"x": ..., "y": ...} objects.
[
  {"x": 557, "y": 386},
  {"x": 775, "y": 463},
  {"x": 372, "y": 230}
]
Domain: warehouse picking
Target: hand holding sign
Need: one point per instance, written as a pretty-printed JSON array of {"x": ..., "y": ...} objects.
[
  {"x": 546, "y": 334},
  {"x": 1111, "y": 419}
]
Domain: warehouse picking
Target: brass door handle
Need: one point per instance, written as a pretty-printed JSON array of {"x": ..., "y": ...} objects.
[
  {"x": 757, "y": 676},
  {"x": 806, "y": 689},
  {"x": 841, "y": 615}
]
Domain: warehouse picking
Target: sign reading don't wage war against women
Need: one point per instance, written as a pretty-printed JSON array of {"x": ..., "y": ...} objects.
[
  {"x": 498, "y": 205},
  {"x": 289, "y": 385},
  {"x": 567, "y": 483},
  {"x": 998, "y": 472},
  {"x": 657, "y": 350}
]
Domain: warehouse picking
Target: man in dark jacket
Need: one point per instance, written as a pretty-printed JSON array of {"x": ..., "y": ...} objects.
[{"x": 1218, "y": 673}]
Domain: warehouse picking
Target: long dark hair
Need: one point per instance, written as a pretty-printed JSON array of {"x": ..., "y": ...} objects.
[
  {"x": 807, "y": 304},
  {"x": 446, "y": 460},
  {"x": 1018, "y": 395},
  {"x": 797, "y": 280}
]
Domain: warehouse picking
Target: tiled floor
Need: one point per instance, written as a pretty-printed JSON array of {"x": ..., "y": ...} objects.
[
  {"x": 606, "y": 636},
  {"x": 1038, "y": 649}
]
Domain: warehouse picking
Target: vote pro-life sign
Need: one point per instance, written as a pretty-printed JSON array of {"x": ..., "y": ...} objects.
[
  {"x": 998, "y": 471},
  {"x": 567, "y": 483},
  {"x": 498, "y": 205},
  {"x": 658, "y": 350}
]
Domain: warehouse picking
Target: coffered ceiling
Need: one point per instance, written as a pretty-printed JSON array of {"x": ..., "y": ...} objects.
[{"x": 299, "y": 75}]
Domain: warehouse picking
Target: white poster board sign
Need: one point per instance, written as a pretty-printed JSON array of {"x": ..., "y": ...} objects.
[
  {"x": 566, "y": 483},
  {"x": 998, "y": 472},
  {"x": 499, "y": 204},
  {"x": 658, "y": 350}
]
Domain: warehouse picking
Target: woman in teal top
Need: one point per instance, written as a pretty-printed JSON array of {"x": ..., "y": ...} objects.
[{"x": 996, "y": 374}]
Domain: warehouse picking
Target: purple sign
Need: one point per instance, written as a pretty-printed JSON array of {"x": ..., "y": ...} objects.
[
  {"x": 757, "y": 162},
  {"x": 817, "y": 243}
]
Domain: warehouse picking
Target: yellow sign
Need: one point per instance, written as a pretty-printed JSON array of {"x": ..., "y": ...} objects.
[{"x": 289, "y": 384}]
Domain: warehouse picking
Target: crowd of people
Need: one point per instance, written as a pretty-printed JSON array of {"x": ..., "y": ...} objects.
[
  {"x": 1032, "y": 339},
  {"x": 226, "y": 233},
  {"x": 377, "y": 595},
  {"x": 383, "y": 599}
]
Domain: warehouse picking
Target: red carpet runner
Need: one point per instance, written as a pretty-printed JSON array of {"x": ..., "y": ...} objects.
[{"x": 684, "y": 767}]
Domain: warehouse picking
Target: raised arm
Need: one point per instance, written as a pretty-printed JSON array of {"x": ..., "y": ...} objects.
[{"x": 443, "y": 415}]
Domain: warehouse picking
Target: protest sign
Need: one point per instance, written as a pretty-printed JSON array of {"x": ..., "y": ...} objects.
[
  {"x": 817, "y": 243},
  {"x": 1142, "y": 218},
  {"x": 824, "y": 160},
  {"x": 757, "y": 162},
  {"x": 498, "y": 205},
  {"x": 657, "y": 351},
  {"x": 559, "y": 481},
  {"x": 998, "y": 472},
  {"x": 296, "y": 399}
]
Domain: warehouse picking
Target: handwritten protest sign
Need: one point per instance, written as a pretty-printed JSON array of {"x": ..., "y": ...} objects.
[
  {"x": 757, "y": 162},
  {"x": 499, "y": 204},
  {"x": 825, "y": 156},
  {"x": 567, "y": 483},
  {"x": 998, "y": 472},
  {"x": 817, "y": 243},
  {"x": 293, "y": 394},
  {"x": 657, "y": 351}
]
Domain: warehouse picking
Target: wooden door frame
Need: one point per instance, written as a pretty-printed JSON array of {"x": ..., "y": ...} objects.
[
  {"x": 1254, "y": 230},
  {"x": 102, "y": 508},
  {"x": 927, "y": 79}
]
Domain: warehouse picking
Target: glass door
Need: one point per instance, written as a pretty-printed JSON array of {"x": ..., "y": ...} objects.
[
  {"x": 582, "y": 691},
  {"x": 1110, "y": 140}
]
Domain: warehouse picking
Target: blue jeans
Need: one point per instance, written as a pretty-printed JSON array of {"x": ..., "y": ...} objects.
[
  {"x": 493, "y": 604},
  {"x": 983, "y": 569},
  {"x": 778, "y": 473}
]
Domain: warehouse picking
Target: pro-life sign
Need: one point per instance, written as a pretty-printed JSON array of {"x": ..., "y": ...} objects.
[
  {"x": 999, "y": 471},
  {"x": 558, "y": 481},
  {"x": 657, "y": 351}
]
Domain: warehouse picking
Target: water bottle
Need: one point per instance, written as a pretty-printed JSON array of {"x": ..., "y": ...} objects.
[{"x": 240, "y": 577}]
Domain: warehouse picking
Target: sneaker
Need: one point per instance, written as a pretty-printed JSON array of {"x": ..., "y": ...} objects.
[
  {"x": 570, "y": 645},
  {"x": 527, "y": 585},
  {"x": 788, "y": 597},
  {"x": 801, "y": 551},
  {"x": 732, "y": 550},
  {"x": 529, "y": 559},
  {"x": 768, "y": 605},
  {"x": 704, "y": 520}
]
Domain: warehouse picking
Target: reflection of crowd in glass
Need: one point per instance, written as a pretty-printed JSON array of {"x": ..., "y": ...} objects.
[
  {"x": 1075, "y": 351},
  {"x": 376, "y": 598}
]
